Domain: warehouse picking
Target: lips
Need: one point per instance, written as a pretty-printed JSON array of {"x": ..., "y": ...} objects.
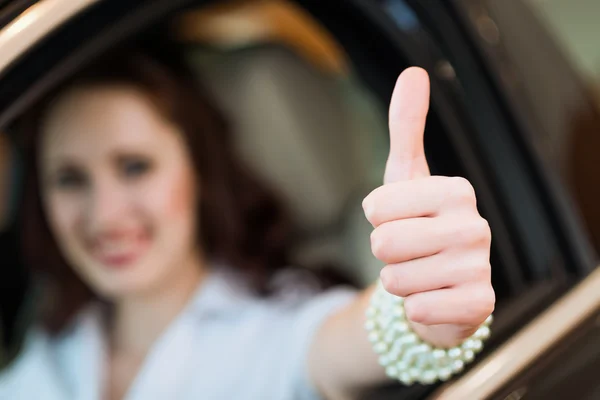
[{"x": 119, "y": 249}]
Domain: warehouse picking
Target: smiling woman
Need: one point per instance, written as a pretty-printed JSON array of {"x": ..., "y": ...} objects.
[
  {"x": 78, "y": 168},
  {"x": 145, "y": 222},
  {"x": 164, "y": 256},
  {"x": 135, "y": 198}
]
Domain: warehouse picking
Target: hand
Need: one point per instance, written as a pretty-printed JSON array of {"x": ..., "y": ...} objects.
[{"x": 428, "y": 230}]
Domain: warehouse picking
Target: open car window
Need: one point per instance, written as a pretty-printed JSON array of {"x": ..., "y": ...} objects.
[{"x": 308, "y": 105}]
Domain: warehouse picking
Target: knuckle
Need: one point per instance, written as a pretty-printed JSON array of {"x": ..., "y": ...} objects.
[
  {"x": 472, "y": 231},
  {"x": 369, "y": 205},
  {"x": 484, "y": 299},
  {"x": 373, "y": 204},
  {"x": 481, "y": 230},
  {"x": 394, "y": 283},
  {"x": 378, "y": 243},
  {"x": 368, "y": 208},
  {"x": 415, "y": 311},
  {"x": 482, "y": 271},
  {"x": 389, "y": 281},
  {"x": 461, "y": 191}
]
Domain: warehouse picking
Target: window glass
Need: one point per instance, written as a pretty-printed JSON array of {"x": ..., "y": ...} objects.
[{"x": 575, "y": 26}]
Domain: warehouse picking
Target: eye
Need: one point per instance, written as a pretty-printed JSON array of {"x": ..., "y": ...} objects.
[
  {"x": 134, "y": 167},
  {"x": 69, "y": 179}
]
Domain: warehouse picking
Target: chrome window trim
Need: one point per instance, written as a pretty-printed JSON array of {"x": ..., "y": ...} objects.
[{"x": 35, "y": 23}]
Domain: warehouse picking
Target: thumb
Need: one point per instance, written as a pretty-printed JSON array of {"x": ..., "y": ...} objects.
[{"x": 407, "y": 115}]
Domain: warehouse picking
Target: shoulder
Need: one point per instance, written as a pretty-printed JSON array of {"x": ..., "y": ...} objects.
[
  {"x": 296, "y": 297},
  {"x": 33, "y": 364},
  {"x": 43, "y": 368}
]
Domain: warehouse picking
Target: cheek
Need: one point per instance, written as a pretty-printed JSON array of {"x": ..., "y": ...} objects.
[
  {"x": 174, "y": 199},
  {"x": 63, "y": 214}
]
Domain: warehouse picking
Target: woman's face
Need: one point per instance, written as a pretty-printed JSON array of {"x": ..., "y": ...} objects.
[{"x": 118, "y": 189}]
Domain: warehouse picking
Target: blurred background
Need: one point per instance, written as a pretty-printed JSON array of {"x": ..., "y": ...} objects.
[{"x": 515, "y": 109}]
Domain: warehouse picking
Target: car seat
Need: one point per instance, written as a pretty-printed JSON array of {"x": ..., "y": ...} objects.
[{"x": 319, "y": 138}]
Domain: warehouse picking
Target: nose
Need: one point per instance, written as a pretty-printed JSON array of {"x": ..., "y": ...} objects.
[{"x": 106, "y": 206}]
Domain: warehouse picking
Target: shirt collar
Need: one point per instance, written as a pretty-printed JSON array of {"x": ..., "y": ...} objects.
[{"x": 222, "y": 293}]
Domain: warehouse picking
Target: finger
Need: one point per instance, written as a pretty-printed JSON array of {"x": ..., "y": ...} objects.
[
  {"x": 404, "y": 199},
  {"x": 439, "y": 271},
  {"x": 408, "y": 239},
  {"x": 407, "y": 115},
  {"x": 423, "y": 197},
  {"x": 462, "y": 305}
]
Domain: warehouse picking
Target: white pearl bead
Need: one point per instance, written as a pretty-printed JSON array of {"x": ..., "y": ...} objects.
[
  {"x": 454, "y": 352},
  {"x": 468, "y": 356},
  {"x": 398, "y": 346},
  {"x": 385, "y": 321},
  {"x": 489, "y": 320},
  {"x": 374, "y": 336},
  {"x": 391, "y": 371},
  {"x": 390, "y": 336},
  {"x": 370, "y": 325},
  {"x": 414, "y": 373},
  {"x": 428, "y": 377},
  {"x": 380, "y": 347},
  {"x": 483, "y": 333},
  {"x": 402, "y": 366},
  {"x": 394, "y": 355},
  {"x": 438, "y": 354},
  {"x": 423, "y": 360},
  {"x": 400, "y": 327},
  {"x": 410, "y": 338},
  {"x": 424, "y": 348},
  {"x": 457, "y": 366},
  {"x": 371, "y": 312},
  {"x": 444, "y": 373},
  {"x": 410, "y": 355},
  {"x": 406, "y": 379},
  {"x": 467, "y": 344},
  {"x": 398, "y": 312},
  {"x": 384, "y": 360}
]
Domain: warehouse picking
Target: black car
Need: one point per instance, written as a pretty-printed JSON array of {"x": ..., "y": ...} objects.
[{"x": 508, "y": 112}]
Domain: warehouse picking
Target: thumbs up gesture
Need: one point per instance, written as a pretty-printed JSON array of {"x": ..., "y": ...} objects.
[{"x": 427, "y": 229}]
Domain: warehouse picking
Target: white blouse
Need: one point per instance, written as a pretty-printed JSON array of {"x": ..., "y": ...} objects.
[{"x": 226, "y": 344}]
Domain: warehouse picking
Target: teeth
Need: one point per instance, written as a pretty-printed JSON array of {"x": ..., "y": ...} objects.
[{"x": 112, "y": 248}]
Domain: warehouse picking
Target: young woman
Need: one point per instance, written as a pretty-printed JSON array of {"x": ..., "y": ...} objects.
[{"x": 160, "y": 252}]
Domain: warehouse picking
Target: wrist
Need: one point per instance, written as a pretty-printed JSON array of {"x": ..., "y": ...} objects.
[{"x": 409, "y": 357}]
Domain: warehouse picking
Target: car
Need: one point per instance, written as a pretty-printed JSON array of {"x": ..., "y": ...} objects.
[{"x": 509, "y": 112}]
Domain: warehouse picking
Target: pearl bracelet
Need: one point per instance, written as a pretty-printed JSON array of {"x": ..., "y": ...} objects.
[{"x": 403, "y": 354}]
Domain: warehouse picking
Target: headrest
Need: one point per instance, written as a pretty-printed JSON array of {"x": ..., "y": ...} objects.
[{"x": 295, "y": 125}]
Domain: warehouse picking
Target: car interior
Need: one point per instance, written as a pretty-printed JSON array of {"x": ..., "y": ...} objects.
[
  {"x": 316, "y": 134},
  {"x": 308, "y": 103}
]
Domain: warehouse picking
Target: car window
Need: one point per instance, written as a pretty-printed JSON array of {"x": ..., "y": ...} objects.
[
  {"x": 317, "y": 135},
  {"x": 575, "y": 27},
  {"x": 6, "y": 174},
  {"x": 575, "y": 142}
]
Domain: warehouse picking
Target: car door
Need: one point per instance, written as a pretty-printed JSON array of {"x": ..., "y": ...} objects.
[{"x": 476, "y": 128}]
